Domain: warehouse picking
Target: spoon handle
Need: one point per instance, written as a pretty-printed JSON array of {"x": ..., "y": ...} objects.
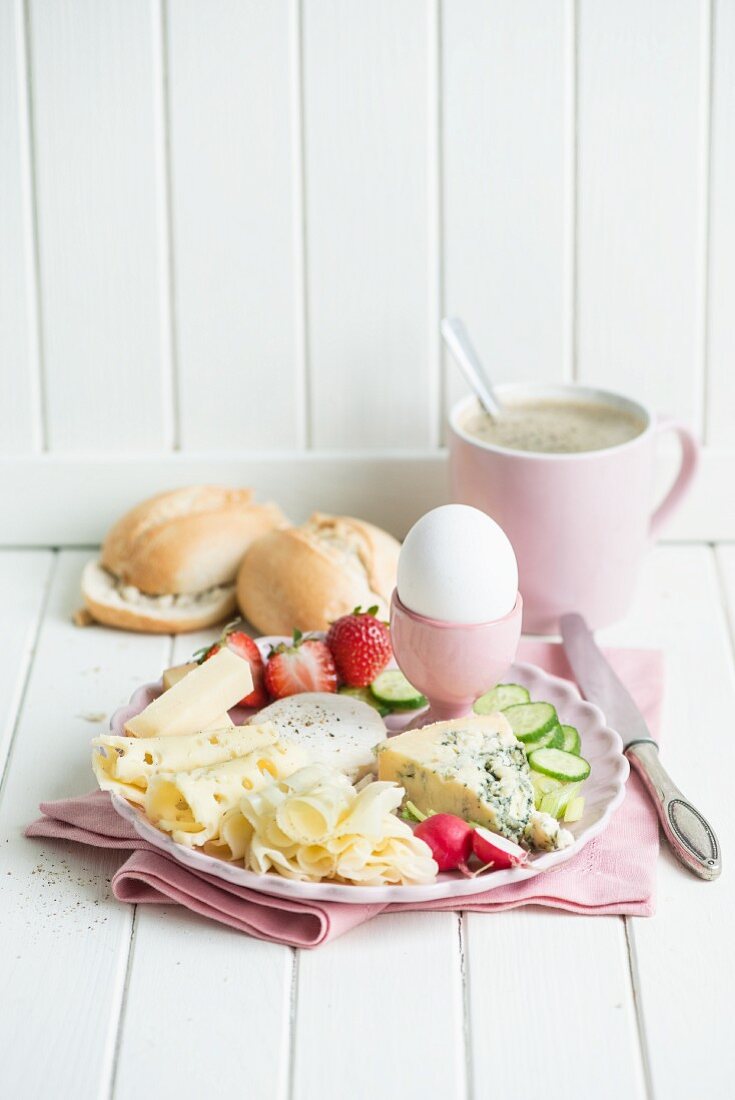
[{"x": 458, "y": 342}]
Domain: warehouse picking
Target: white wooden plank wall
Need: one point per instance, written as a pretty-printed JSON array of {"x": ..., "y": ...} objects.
[
  {"x": 96, "y": 94},
  {"x": 721, "y": 346},
  {"x": 233, "y": 226},
  {"x": 20, "y": 398},
  {"x": 506, "y": 144},
  {"x": 237, "y": 264},
  {"x": 641, "y": 75},
  {"x": 367, "y": 123}
]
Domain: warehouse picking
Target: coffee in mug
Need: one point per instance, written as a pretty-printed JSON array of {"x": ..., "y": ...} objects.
[{"x": 554, "y": 426}]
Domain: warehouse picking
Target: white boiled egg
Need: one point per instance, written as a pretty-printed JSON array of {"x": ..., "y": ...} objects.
[{"x": 457, "y": 565}]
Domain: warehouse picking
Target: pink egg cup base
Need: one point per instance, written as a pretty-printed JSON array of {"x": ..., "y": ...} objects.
[{"x": 452, "y": 663}]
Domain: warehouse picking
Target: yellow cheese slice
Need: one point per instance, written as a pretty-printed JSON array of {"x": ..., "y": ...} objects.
[
  {"x": 191, "y": 805},
  {"x": 197, "y": 700},
  {"x": 172, "y": 675},
  {"x": 127, "y": 764},
  {"x": 472, "y": 767}
]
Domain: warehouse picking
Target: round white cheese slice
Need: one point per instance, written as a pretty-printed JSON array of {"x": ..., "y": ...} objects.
[{"x": 338, "y": 730}]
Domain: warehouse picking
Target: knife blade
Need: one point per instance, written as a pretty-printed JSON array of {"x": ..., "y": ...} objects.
[{"x": 689, "y": 834}]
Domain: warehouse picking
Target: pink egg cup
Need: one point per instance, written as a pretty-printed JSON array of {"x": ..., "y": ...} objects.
[{"x": 452, "y": 663}]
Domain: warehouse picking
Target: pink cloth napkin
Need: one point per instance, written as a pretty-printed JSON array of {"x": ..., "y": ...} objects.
[{"x": 613, "y": 874}]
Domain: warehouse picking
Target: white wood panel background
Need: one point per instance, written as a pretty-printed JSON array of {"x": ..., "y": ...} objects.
[
  {"x": 232, "y": 67},
  {"x": 367, "y": 84},
  {"x": 641, "y": 125},
  {"x": 507, "y": 141},
  {"x": 231, "y": 228},
  {"x": 20, "y": 395},
  {"x": 96, "y": 91},
  {"x": 721, "y": 300}
]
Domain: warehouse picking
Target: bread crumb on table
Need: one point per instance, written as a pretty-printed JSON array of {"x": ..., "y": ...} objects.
[{"x": 82, "y": 617}]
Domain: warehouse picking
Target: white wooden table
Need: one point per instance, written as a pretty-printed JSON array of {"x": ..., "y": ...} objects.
[{"x": 99, "y": 999}]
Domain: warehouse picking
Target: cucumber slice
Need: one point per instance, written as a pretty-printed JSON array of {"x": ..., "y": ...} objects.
[
  {"x": 559, "y": 765},
  {"x": 502, "y": 696},
  {"x": 552, "y": 739},
  {"x": 393, "y": 689},
  {"x": 366, "y": 695},
  {"x": 572, "y": 742},
  {"x": 556, "y": 802},
  {"x": 530, "y": 721}
]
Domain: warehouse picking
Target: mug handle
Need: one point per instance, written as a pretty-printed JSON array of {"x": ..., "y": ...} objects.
[{"x": 690, "y": 451}]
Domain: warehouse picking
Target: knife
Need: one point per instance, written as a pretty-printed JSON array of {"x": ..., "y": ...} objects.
[{"x": 691, "y": 838}]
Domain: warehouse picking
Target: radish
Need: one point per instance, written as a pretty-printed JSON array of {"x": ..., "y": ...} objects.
[
  {"x": 450, "y": 839},
  {"x": 496, "y": 851}
]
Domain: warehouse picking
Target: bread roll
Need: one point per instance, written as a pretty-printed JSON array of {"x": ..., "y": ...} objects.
[
  {"x": 305, "y": 577},
  {"x": 169, "y": 565},
  {"x": 187, "y": 540}
]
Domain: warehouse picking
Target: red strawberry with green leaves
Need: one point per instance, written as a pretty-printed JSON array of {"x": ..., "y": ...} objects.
[
  {"x": 305, "y": 664},
  {"x": 244, "y": 646},
  {"x": 360, "y": 645}
]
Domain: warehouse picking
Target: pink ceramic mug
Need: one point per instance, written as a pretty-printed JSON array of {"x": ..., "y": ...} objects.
[{"x": 580, "y": 523}]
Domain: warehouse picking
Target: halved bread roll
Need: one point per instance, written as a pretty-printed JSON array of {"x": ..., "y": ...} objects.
[
  {"x": 169, "y": 565},
  {"x": 126, "y": 607},
  {"x": 305, "y": 577}
]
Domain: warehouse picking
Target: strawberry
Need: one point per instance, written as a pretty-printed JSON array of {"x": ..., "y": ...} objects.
[
  {"x": 304, "y": 665},
  {"x": 244, "y": 646},
  {"x": 360, "y": 645}
]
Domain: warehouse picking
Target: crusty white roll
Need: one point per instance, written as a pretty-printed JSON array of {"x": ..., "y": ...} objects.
[
  {"x": 169, "y": 565},
  {"x": 305, "y": 577}
]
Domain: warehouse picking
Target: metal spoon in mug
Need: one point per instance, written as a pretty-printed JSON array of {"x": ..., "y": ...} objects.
[{"x": 457, "y": 340}]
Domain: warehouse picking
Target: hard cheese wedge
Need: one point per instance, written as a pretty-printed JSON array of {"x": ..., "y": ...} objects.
[
  {"x": 171, "y": 676},
  {"x": 190, "y": 805},
  {"x": 197, "y": 700},
  {"x": 472, "y": 767},
  {"x": 221, "y": 722},
  {"x": 127, "y": 764}
]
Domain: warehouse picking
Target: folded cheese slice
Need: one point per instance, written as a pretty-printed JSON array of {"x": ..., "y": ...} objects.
[
  {"x": 197, "y": 700},
  {"x": 127, "y": 764},
  {"x": 191, "y": 805}
]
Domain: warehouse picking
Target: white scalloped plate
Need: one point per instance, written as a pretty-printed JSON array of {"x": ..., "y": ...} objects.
[{"x": 603, "y": 791}]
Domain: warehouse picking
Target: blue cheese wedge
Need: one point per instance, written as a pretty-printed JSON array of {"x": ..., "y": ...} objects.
[{"x": 472, "y": 767}]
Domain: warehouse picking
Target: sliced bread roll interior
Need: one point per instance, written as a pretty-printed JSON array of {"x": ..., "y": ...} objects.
[{"x": 114, "y": 603}]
